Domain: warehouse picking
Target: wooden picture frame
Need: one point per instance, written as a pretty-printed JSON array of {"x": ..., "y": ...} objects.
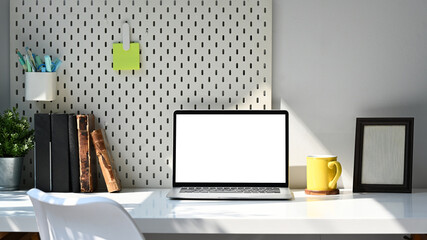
[{"x": 383, "y": 155}]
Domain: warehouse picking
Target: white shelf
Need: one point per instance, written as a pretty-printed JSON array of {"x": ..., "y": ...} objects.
[{"x": 347, "y": 213}]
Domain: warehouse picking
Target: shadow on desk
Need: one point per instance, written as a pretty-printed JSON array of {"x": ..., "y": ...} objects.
[
  {"x": 12, "y": 196},
  {"x": 279, "y": 237}
]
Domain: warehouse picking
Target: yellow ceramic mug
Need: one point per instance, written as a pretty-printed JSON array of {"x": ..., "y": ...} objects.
[{"x": 323, "y": 172}]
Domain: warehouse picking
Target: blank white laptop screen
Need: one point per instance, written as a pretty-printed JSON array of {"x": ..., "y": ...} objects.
[{"x": 230, "y": 148}]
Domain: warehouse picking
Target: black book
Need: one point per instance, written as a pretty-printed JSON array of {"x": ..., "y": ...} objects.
[
  {"x": 60, "y": 153},
  {"x": 42, "y": 152},
  {"x": 74, "y": 153}
]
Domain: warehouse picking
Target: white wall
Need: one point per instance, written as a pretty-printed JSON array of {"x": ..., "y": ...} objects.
[
  {"x": 4, "y": 55},
  {"x": 337, "y": 60},
  {"x": 333, "y": 61}
]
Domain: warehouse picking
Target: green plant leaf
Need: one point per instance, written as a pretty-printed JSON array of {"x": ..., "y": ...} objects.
[{"x": 16, "y": 136}]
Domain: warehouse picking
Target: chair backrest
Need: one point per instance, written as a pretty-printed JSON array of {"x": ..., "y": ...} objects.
[{"x": 81, "y": 218}]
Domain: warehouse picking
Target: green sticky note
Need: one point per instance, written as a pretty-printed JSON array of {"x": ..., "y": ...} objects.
[{"x": 125, "y": 60}]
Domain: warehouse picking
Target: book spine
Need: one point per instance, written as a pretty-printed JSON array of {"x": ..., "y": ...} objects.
[
  {"x": 106, "y": 161},
  {"x": 74, "y": 153},
  {"x": 92, "y": 154},
  {"x": 42, "y": 152},
  {"x": 60, "y": 153},
  {"x": 82, "y": 136},
  {"x": 85, "y": 124}
]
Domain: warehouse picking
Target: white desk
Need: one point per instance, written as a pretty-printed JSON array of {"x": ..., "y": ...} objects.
[{"x": 346, "y": 213}]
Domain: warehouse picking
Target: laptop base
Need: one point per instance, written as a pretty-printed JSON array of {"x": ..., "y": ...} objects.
[{"x": 285, "y": 194}]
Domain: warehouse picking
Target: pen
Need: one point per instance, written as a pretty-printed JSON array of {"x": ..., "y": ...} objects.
[
  {"x": 29, "y": 64},
  {"x": 30, "y": 54},
  {"x": 19, "y": 55},
  {"x": 22, "y": 62},
  {"x": 40, "y": 67},
  {"x": 48, "y": 63},
  {"x": 38, "y": 61},
  {"x": 56, "y": 65}
]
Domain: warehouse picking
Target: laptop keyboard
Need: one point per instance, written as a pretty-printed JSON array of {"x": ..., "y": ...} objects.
[{"x": 230, "y": 190}]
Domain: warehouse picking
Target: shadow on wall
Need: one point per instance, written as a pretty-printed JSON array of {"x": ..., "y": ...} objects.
[
  {"x": 297, "y": 177},
  {"x": 302, "y": 142},
  {"x": 317, "y": 134}
]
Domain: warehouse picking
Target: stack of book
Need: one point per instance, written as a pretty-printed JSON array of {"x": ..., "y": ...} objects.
[{"x": 65, "y": 159}]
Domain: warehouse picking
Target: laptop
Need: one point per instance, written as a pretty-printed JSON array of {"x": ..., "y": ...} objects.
[{"x": 230, "y": 154}]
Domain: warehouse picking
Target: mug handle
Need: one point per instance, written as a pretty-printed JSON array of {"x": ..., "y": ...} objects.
[{"x": 337, "y": 175}]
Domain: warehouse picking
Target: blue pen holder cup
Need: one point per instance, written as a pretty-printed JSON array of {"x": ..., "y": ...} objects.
[{"x": 40, "y": 86}]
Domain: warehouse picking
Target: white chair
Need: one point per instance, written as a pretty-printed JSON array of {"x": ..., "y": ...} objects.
[{"x": 81, "y": 218}]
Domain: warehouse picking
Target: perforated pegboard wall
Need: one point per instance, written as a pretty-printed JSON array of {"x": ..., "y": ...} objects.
[{"x": 198, "y": 54}]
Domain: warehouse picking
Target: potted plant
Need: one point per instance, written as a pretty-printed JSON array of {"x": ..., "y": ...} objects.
[{"x": 16, "y": 139}]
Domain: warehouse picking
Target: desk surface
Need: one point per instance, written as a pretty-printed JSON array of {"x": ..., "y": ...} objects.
[{"x": 351, "y": 213}]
